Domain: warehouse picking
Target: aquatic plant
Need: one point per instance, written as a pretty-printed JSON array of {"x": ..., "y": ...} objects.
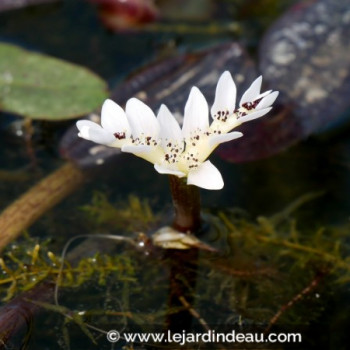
[
  {"x": 265, "y": 272},
  {"x": 133, "y": 215},
  {"x": 180, "y": 152},
  {"x": 20, "y": 276}
]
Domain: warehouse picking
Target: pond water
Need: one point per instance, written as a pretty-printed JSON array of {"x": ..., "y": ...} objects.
[{"x": 279, "y": 227}]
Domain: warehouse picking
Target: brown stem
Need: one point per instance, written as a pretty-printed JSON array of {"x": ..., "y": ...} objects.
[
  {"x": 312, "y": 285},
  {"x": 36, "y": 201},
  {"x": 183, "y": 263},
  {"x": 186, "y": 200},
  {"x": 182, "y": 284}
]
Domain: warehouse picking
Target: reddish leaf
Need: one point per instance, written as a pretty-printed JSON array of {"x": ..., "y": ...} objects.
[{"x": 120, "y": 15}]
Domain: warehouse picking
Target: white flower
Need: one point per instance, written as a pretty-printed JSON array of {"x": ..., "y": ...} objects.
[{"x": 172, "y": 150}]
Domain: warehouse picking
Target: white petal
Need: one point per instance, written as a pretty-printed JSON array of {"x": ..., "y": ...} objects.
[
  {"x": 225, "y": 95},
  {"x": 169, "y": 127},
  {"x": 196, "y": 113},
  {"x": 163, "y": 170},
  {"x": 263, "y": 94},
  {"x": 206, "y": 176},
  {"x": 217, "y": 139},
  {"x": 91, "y": 131},
  {"x": 268, "y": 100},
  {"x": 254, "y": 115},
  {"x": 141, "y": 118},
  {"x": 137, "y": 149},
  {"x": 86, "y": 123},
  {"x": 113, "y": 118},
  {"x": 253, "y": 91}
]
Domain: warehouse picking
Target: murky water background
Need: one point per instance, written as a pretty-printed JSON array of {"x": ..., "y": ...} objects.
[{"x": 71, "y": 31}]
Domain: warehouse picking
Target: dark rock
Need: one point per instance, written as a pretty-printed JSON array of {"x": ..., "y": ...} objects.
[{"x": 305, "y": 55}]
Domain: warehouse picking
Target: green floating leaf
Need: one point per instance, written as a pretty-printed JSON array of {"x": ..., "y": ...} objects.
[{"x": 41, "y": 87}]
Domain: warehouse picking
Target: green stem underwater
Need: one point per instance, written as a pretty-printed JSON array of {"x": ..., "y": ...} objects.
[{"x": 186, "y": 201}]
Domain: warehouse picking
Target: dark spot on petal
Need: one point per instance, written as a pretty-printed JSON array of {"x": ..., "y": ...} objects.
[{"x": 120, "y": 135}]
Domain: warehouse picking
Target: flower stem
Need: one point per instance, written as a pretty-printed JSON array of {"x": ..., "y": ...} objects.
[
  {"x": 186, "y": 200},
  {"x": 183, "y": 275}
]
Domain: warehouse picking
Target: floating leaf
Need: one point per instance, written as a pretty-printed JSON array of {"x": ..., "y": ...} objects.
[{"x": 41, "y": 87}]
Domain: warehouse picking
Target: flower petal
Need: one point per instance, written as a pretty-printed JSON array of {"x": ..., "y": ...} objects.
[
  {"x": 196, "y": 113},
  {"x": 169, "y": 127},
  {"x": 153, "y": 154},
  {"x": 263, "y": 94},
  {"x": 225, "y": 95},
  {"x": 86, "y": 123},
  {"x": 253, "y": 91},
  {"x": 257, "y": 114},
  {"x": 206, "y": 176},
  {"x": 91, "y": 131},
  {"x": 268, "y": 100},
  {"x": 217, "y": 139},
  {"x": 113, "y": 118},
  {"x": 142, "y": 120},
  {"x": 163, "y": 170},
  {"x": 137, "y": 149}
]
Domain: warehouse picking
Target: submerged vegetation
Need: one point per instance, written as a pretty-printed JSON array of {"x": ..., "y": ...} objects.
[
  {"x": 266, "y": 272},
  {"x": 135, "y": 215}
]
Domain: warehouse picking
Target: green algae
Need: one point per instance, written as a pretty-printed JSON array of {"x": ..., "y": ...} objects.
[
  {"x": 134, "y": 215},
  {"x": 267, "y": 272}
]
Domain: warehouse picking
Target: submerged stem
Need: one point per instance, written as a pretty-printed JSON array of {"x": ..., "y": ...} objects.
[{"x": 186, "y": 201}]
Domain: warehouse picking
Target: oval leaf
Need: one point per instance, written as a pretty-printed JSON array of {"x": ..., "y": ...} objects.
[{"x": 41, "y": 87}]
